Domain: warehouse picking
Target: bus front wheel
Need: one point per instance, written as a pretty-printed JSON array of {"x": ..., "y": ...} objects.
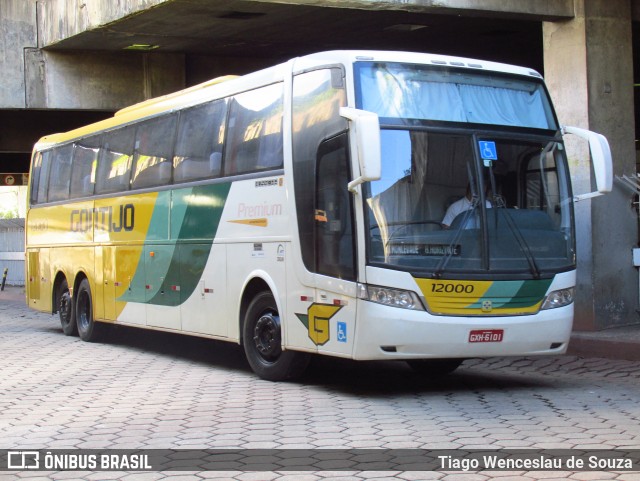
[
  {"x": 65, "y": 310},
  {"x": 88, "y": 329},
  {"x": 262, "y": 340}
]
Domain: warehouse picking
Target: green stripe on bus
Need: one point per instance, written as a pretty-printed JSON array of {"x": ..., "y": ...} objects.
[
  {"x": 199, "y": 226},
  {"x": 514, "y": 294},
  {"x": 195, "y": 215}
]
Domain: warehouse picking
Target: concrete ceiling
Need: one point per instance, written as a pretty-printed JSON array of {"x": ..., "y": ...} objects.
[
  {"x": 258, "y": 34},
  {"x": 236, "y": 28}
]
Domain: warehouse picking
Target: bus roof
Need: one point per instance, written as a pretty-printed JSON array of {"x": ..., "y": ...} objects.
[
  {"x": 351, "y": 56},
  {"x": 230, "y": 84},
  {"x": 148, "y": 104},
  {"x": 219, "y": 87}
]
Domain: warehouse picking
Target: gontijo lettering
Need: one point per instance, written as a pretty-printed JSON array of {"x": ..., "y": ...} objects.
[{"x": 105, "y": 218}]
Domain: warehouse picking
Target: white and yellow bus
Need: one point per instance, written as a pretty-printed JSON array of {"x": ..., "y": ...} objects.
[{"x": 301, "y": 210}]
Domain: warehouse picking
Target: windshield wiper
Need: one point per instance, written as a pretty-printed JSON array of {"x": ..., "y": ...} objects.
[
  {"x": 475, "y": 202},
  {"x": 501, "y": 207},
  {"x": 526, "y": 250},
  {"x": 444, "y": 260}
]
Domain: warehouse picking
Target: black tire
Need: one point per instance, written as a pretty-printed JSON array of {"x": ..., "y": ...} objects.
[
  {"x": 262, "y": 340},
  {"x": 434, "y": 367},
  {"x": 88, "y": 329},
  {"x": 66, "y": 312}
]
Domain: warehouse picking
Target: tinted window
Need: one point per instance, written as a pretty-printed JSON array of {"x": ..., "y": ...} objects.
[
  {"x": 85, "y": 162},
  {"x": 198, "y": 152},
  {"x": 333, "y": 213},
  {"x": 114, "y": 166},
  {"x": 38, "y": 178},
  {"x": 60, "y": 173},
  {"x": 317, "y": 98},
  {"x": 153, "y": 152},
  {"x": 255, "y": 131},
  {"x": 428, "y": 92}
]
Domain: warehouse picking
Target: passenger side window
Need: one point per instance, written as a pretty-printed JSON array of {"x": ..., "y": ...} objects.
[
  {"x": 60, "y": 176},
  {"x": 255, "y": 131},
  {"x": 542, "y": 186},
  {"x": 153, "y": 152},
  {"x": 85, "y": 162},
  {"x": 198, "y": 152},
  {"x": 40, "y": 177},
  {"x": 114, "y": 166}
]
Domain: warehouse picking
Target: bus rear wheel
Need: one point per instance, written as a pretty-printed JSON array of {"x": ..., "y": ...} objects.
[
  {"x": 65, "y": 310},
  {"x": 262, "y": 341},
  {"x": 434, "y": 367},
  {"x": 88, "y": 329}
]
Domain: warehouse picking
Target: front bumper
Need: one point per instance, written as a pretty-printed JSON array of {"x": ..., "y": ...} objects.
[{"x": 390, "y": 333}]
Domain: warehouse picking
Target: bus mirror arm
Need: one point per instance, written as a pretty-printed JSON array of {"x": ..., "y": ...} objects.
[
  {"x": 601, "y": 158},
  {"x": 365, "y": 136},
  {"x": 355, "y": 183}
]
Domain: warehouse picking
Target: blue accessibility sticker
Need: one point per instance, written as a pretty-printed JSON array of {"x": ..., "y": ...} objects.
[
  {"x": 488, "y": 150},
  {"x": 342, "y": 332}
]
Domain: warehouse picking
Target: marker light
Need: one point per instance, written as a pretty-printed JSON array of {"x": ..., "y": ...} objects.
[
  {"x": 390, "y": 297},
  {"x": 559, "y": 298},
  {"x": 145, "y": 47}
]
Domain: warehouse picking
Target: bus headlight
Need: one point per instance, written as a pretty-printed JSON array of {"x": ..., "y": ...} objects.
[
  {"x": 559, "y": 298},
  {"x": 390, "y": 297}
]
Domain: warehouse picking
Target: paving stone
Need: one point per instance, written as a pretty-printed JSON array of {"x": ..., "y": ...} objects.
[
  {"x": 465, "y": 477},
  {"x": 138, "y": 394},
  {"x": 142, "y": 477},
  {"x": 420, "y": 475},
  {"x": 629, "y": 477},
  {"x": 593, "y": 476}
]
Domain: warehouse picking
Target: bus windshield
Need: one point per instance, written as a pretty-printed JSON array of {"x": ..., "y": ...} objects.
[
  {"x": 458, "y": 198},
  {"x": 408, "y": 92}
]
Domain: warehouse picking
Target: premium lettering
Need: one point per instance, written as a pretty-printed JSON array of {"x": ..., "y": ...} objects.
[{"x": 261, "y": 210}]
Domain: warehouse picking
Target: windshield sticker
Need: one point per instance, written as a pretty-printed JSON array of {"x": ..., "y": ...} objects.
[
  {"x": 424, "y": 249},
  {"x": 488, "y": 150}
]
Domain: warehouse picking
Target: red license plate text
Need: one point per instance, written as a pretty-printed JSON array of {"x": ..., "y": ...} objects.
[{"x": 486, "y": 335}]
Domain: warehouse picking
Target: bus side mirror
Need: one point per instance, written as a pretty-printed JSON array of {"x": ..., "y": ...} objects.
[
  {"x": 365, "y": 132},
  {"x": 601, "y": 158}
]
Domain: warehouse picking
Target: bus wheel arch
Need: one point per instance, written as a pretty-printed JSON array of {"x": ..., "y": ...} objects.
[
  {"x": 63, "y": 304},
  {"x": 261, "y": 335}
]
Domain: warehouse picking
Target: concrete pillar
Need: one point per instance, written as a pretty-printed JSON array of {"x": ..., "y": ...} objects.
[
  {"x": 18, "y": 30},
  {"x": 589, "y": 70},
  {"x": 104, "y": 81}
]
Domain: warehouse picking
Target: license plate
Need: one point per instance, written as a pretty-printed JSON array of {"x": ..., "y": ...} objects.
[{"x": 486, "y": 335}]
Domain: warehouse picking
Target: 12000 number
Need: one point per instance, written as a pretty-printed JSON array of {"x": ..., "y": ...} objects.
[{"x": 452, "y": 288}]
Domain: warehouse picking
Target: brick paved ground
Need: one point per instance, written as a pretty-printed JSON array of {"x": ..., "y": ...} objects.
[{"x": 144, "y": 389}]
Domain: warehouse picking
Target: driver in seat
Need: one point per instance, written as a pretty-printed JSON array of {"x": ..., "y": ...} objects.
[{"x": 460, "y": 206}]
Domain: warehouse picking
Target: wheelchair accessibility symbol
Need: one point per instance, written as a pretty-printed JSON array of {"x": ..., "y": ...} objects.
[
  {"x": 488, "y": 150},
  {"x": 342, "y": 332}
]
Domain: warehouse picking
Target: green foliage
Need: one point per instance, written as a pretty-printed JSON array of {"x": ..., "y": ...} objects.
[{"x": 9, "y": 214}]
